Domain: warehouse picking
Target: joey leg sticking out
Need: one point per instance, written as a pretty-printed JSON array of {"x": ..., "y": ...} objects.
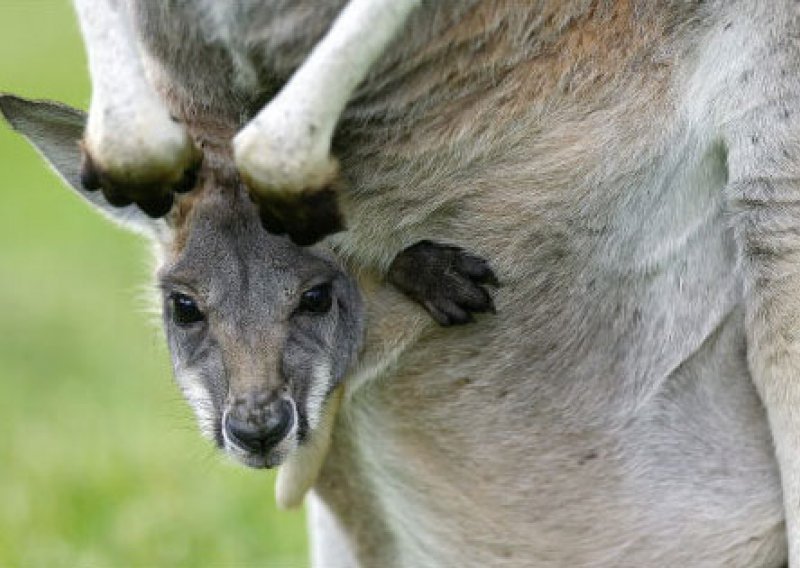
[
  {"x": 448, "y": 281},
  {"x": 133, "y": 150},
  {"x": 284, "y": 153}
]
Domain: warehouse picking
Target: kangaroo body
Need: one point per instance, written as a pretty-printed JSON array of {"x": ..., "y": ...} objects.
[
  {"x": 608, "y": 416},
  {"x": 630, "y": 168}
]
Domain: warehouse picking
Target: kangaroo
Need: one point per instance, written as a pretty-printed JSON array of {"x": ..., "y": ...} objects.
[
  {"x": 299, "y": 304},
  {"x": 629, "y": 169}
]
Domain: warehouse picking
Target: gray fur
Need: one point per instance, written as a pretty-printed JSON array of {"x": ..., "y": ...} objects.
[
  {"x": 255, "y": 339},
  {"x": 55, "y": 131},
  {"x": 631, "y": 171}
]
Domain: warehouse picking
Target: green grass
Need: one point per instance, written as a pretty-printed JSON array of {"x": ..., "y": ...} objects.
[{"x": 101, "y": 464}]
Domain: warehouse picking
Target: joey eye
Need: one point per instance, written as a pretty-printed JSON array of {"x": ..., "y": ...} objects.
[
  {"x": 316, "y": 300},
  {"x": 184, "y": 310}
]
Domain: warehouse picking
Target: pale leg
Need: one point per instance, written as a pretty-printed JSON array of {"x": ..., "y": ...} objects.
[
  {"x": 135, "y": 151},
  {"x": 283, "y": 154}
]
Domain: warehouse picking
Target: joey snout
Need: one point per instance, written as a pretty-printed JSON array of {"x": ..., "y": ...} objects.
[{"x": 258, "y": 428}]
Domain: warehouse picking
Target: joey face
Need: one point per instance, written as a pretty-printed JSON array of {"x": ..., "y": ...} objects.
[{"x": 260, "y": 330}]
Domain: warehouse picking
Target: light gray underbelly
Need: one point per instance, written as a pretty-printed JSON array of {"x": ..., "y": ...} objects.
[
  {"x": 604, "y": 417},
  {"x": 495, "y": 470}
]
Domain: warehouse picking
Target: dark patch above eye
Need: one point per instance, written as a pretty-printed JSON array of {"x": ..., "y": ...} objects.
[
  {"x": 184, "y": 310},
  {"x": 316, "y": 300}
]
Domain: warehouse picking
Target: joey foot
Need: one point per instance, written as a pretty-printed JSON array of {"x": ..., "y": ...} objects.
[
  {"x": 285, "y": 162},
  {"x": 142, "y": 156},
  {"x": 448, "y": 281},
  {"x": 154, "y": 197},
  {"x": 306, "y": 217}
]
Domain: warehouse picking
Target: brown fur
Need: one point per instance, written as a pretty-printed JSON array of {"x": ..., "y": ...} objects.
[{"x": 629, "y": 170}]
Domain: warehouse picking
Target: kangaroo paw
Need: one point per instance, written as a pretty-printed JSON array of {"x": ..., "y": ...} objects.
[
  {"x": 448, "y": 281},
  {"x": 306, "y": 216},
  {"x": 154, "y": 197},
  {"x": 140, "y": 161},
  {"x": 293, "y": 181}
]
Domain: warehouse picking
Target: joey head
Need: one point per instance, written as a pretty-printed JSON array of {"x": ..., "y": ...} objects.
[{"x": 261, "y": 331}]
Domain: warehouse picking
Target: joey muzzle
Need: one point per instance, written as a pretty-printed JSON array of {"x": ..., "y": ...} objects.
[{"x": 256, "y": 423}]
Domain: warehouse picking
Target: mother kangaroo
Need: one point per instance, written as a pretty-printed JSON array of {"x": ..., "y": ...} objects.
[{"x": 631, "y": 171}]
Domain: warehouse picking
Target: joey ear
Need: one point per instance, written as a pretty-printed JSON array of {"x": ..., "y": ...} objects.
[{"x": 55, "y": 130}]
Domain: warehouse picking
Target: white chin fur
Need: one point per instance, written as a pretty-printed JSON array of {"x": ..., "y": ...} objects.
[{"x": 300, "y": 470}]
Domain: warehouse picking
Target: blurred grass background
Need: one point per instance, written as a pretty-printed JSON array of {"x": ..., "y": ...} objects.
[{"x": 101, "y": 464}]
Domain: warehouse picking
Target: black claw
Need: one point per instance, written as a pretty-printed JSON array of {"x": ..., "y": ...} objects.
[
  {"x": 450, "y": 314},
  {"x": 157, "y": 206},
  {"x": 441, "y": 318},
  {"x": 270, "y": 222},
  {"x": 477, "y": 269},
  {"x": 188, "y": 181},
  {"x": 90, "y": 179},
  {"x": 476, "y": 299},
  {"x": 306, "y": 218},
  {"x": 446, "y": 280},
  {"x": 115, "y": 197},
  {"x": 460, "y": 317},
  {"x": 149, "y": 198}
]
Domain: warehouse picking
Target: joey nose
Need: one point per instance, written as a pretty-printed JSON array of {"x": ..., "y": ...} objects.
[{"x": 256, "y": 427}]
